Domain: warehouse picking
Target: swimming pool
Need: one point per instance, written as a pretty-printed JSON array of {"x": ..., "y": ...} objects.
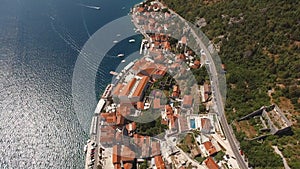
[{"x": 192, "y": 123}]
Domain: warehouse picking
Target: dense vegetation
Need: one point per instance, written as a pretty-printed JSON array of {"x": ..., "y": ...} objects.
[{"x": 260, "y": 44}]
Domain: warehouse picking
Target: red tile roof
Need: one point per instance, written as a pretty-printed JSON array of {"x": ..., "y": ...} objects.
[
  {"x": 140, "y": 105},
  {"x": 211, "y": 164},
  {"x": 188, "y": 101},
  {"x": 122, "y": 153},
  {"x": 210, "y": 148},
  {"x": 128, "y": 166},
  {"x": 107, "y": 135},
  {"x": 117, "y": 89},
  {"x": 176, "y": 91},
  {"x": 128, "y": 87},
  {"x": 159, "y": 163},
  {"x": 142, "y": 84},
  {"x": 205, "y": 124},
  {"x": 196, "y": 64}
]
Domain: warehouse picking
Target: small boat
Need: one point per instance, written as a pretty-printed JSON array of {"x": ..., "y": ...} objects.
[
  {"x": 131, "y": 41},
  {"x": 115, "y": 41},
  {"x": 113, "y": 73},
  {"x": 123, "y": 61},
  {"x": 120, "y": 55},
  {"x": 118, "y": 35},
  {"x": 85, "y": 148}
]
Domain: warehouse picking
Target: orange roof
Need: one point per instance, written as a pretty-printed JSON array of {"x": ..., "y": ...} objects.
[
  {"x": 169, "y": 109},
  {"x": 109, "y": 117},
  {"x": 159, "y": 163},
  {"x": 140, "y": 9},
  {"x": 128, "y": 165},
  {"x": 167, "y": 45},
  {"x": 180, "y": 56},
  {"x": 128, "y": 87},
  {"x": 120, "y": 120},
  {"x": 210, "y": 148},
  {"x": 176, "y": 91},
  {"x": 143, "y": 82},
  {"x": 196, "y": 64},
  {"x": 140, "y": 105},
  {"x": 188, "y": 100},
  {"x": 115, "y": 158},
  {"x": 127, "y": 154},
  {"x": 117, "y": 89},
  {"x": 205, "y": 123},
  {"x": 211, "y": 164},
  {"x": 122, "y": 153},
  {"x": 107, "y": 135}
]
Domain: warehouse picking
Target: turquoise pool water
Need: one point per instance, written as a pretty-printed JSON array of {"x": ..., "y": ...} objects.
[{"x": 193, "y": 124}]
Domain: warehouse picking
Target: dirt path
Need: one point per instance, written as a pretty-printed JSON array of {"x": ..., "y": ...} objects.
[{"x": 286, "y": 166}]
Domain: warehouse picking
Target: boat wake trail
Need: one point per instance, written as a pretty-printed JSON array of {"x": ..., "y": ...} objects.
[{"x": 91, "y": 7}]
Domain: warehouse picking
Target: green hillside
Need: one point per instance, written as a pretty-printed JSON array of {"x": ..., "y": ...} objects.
[{"x": 259, "y": 42}]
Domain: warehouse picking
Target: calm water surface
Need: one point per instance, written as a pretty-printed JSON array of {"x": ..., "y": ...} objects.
[{"x": 39, "y": 45}]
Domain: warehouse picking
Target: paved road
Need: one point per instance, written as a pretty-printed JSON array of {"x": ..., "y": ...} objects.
[
  {"x": 217, "y": 95},
  {"x": 220, "y": 106}
]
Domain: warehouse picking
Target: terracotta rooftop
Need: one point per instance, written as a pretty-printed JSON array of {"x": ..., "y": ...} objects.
[
  {"x": 206, "y": 124},
  {"x": 188, "y": 101},
  {"x": 176, "y": 91},
  {"x": 210, "y": 148},
  {"x": 210, "y": 163},
  {"x": 196, "y": 64},
  {"x": 142, "y": 84},
  {"x": 140, "y": 105},
  {"x": 117, "y": 89},
  {"x": 109, "y": 117},
  {"x": 120, "y": 119},
  {"x": 107, "y": 135},
  {"x": 159, "y": 163},
  {"x": 122, "y": 153},
  {"x": 128, "y": 166},
  {"x": 126, "y": 89}
]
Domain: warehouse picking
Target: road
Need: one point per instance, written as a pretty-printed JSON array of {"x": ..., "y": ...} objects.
[
  {"x": 220, "y": 105},
  {"x": 217, "y": 95}
]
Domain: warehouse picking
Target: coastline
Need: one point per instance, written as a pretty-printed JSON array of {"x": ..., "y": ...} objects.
[{"x": 126, "y": 72}]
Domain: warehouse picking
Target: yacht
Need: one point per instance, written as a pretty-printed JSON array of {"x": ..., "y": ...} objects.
[
  {"x": 131, "y": 41},
  {"x": 120, "y": 55}
]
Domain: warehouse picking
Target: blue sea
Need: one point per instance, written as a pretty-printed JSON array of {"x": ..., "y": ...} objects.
[{"x": 41, "y": 44}]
